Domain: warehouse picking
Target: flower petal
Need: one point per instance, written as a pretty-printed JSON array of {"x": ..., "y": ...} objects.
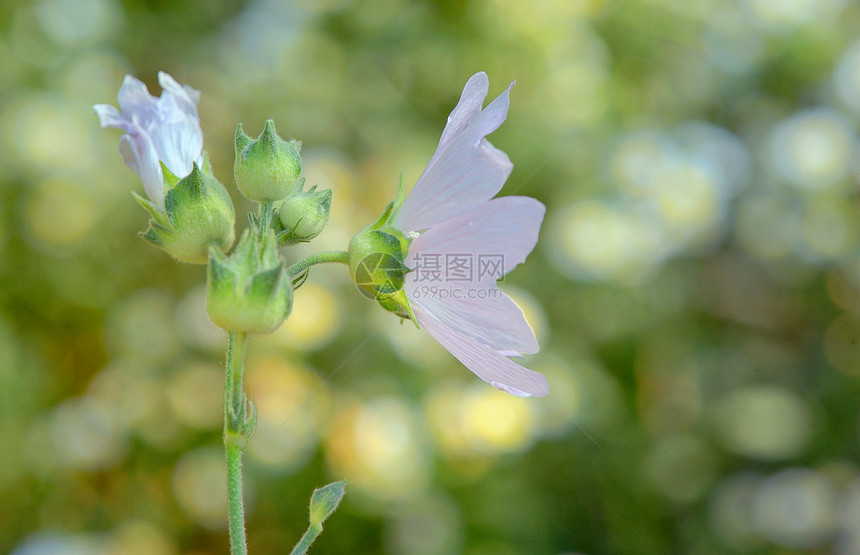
[
  {"x": 466, "y": 173},
  {"x": 179, "y": 145},
  {"x": 109, "y": 116},
  {"x": 188, "y": 97},
  {"x": 486, "y": 314},
  {"x": 505, "y": 227},
  {"x": 135, "y": 100},
  {"x": 164, "y": 129},
  {"x": 139, "y": 155},
  {"x": 469, "y": 106},
  {"x": 483, "y": 361},
  {"x": 455, "y": 266}
]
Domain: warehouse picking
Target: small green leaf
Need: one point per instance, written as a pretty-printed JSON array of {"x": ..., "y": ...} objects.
[{"x": 325, "y": 500}]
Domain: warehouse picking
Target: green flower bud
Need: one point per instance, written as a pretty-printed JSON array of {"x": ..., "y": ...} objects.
[
  {"x": 198, "y": 214},
  {"x": 376, "y": 255},
  {"x": 303, "y": 216},
  {"x": 267, "y": 168},
  {"x": 249, "y": 291}
]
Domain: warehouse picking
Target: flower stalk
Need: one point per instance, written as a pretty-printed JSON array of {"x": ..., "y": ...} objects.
[
  {"x": 239, "y": 421},
  {"x": 318, "y": 258}
]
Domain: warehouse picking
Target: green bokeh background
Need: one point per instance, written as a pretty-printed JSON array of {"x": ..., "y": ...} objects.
[{"x": 696, "y": 288}]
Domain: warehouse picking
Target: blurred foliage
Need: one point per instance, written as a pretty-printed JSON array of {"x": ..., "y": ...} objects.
[{"x": 696, "y": 290}]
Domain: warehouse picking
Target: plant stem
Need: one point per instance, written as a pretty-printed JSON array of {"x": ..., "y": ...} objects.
[
  {"x": 319, "y": 258},
  {"x": 236, "y": 507},
  {"x": 238, "y": 427},
  {"x": 267, "y": 214},
  {"x": 310, "y": 535}
]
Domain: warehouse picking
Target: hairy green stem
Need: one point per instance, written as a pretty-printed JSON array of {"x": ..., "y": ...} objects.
[
  {"x": 236, "y": 508},
  {"x": 319, "y": 258},
  {"x": 267, "y": 213},
  {"x": 310, "y": 535},
  {"x": 238, "y": 427}
]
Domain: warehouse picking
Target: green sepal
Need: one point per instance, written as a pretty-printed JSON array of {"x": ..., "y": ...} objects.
[
  {"x": 242, "y": 140},
  {"x": 169, "y": 179},
  {"x": 265, "y": 284},
  {"x": 157, "y": 215},
  {"x": 250, "y": 291},
  {"x": 377, "y": 266},
  {"x": 197, "y": 214},
  {"x": 223, "y": 277},
  {"x": 399, "y": 305},
  {"x": 391, "y": 210}
]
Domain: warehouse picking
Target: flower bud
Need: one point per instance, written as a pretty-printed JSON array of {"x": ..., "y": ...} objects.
[
  {"x": 250, "y": 291},
  {"x": 376, "y": 265},
  {"x": 303, "y": 216},
  {"x": 198, "y": 214},
  {"x": 267, "y": 168}
]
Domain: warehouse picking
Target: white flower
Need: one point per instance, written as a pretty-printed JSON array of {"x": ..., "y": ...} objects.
[
  {"x": 452, "y": 210},
  {"x": 157, "y": 130}
]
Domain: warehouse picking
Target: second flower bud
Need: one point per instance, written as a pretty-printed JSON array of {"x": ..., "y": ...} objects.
[{"x": 250, "y": 291}]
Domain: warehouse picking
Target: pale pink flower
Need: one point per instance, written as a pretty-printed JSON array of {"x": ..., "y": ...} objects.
[
  {"x": 165, "y": 129},
  {"x": 451, "y": 215}
]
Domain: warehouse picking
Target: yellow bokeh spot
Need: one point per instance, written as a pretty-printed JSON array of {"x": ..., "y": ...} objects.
[
  {"x": 292, "y": 409},
  {"x": 595, "y": 240},
  {"x": 498, "y": 421},
  {"x": 813, "y": 149},
  {"x": 763, "y": 422},
  {"x": 636, "y": 161},
  {"x": 200, "y": 487},
  {"x": 48, "y": 134},
  {"x": 140, "y": 538},
  {"x": 195, "y": 393},
  {"x": 377, "y": 447},
  {"x": 60, "y": 213},
  {"x": 478, "y": 421},
  {"x": 443, "y": 407},
  {"x": 314, "y": 321},
  {"x": 687, "y": 197}
]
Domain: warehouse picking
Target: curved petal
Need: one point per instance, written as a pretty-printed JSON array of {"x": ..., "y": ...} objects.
[
  {"x": 484, "y": 362},
  {"x": 128, "y": 151},
  {"x": 486, "y": 314},
  {"x": 187, "y": 97},
  {"x": 179, "y": 145},
  {"x": 134, "y": 98},
  {"x": 466, "y": 173},
  {"x": 139, "y": 155},
  {"x": 503, "y": 228},
  {"x": 109, "y": 116},
  {"x": 469, "y": 106}
]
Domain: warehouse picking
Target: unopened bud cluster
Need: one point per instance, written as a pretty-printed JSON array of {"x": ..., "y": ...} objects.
[{"x": 192, "y": 216}]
